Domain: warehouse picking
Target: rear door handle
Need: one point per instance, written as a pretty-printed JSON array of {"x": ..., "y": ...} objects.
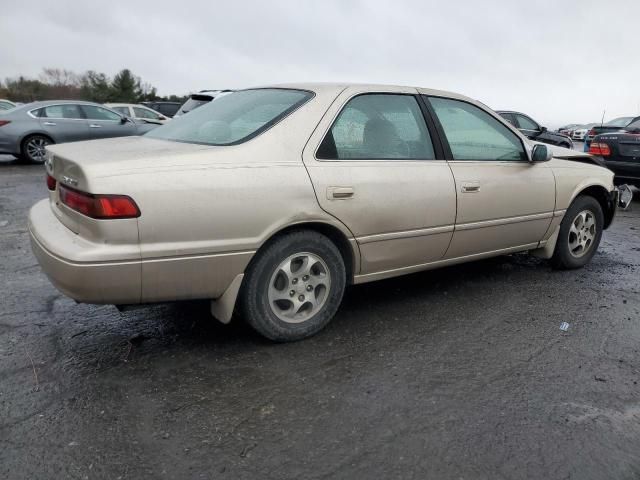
[
  {"x": 339, "y": 193},
  {"x": 470, "y": 187},
  {"x": 93, "y": 125},
  {"x": 49, "y": 124}
]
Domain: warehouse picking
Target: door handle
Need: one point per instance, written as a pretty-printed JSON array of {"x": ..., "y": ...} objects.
[
  {"x": 93, "y": 125},
  {"x": 49, "y": 124},
  {"x": 470, "y": 187},
  {"x": 339, "y": 193}
]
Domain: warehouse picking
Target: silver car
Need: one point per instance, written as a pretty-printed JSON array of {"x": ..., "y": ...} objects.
[{"x": 25, "y": 131}]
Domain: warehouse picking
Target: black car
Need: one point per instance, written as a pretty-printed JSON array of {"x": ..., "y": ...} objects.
[
  {"x": 621, "y": 152},
  {"x": 168, "y": 109},
  {"x": 534, "y": 131}
]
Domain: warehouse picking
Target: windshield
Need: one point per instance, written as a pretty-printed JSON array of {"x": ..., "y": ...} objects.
[
  {"x": 619, "y": 122},
  {"x": 233, "y": 118}
]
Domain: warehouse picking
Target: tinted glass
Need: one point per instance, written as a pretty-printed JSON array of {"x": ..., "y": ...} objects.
[
  {"x": 167, "y": 109},
  {"x": 99, "y": 113},
  {"x": 473, "y": 134},
  {"x": 509, "y": 118},
  {"x": 144, "y": 113},
  {"x": 378, "y": 126},
  {"x": 633, "y": 127},
  {"x": 527, "y": 123},
  {"x": 233, "y": 118},
  {"x": 619, "y": 122},
  {"x": 61, "y": 111}
]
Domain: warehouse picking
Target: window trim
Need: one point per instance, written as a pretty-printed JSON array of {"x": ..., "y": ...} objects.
[
  {"x": 438, "y": 151},
  {"x": 445, "y": 141}
]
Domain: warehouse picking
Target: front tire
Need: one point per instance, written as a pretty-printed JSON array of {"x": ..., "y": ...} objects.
[
  {"x": 33, "y": 148},
  {"x": 580, "y": 234},
  {"x": 294, "y": 287}
]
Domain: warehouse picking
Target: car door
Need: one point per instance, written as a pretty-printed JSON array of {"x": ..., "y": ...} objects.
[
  {"x": 504, "y": 201},
  {"x": 105, "y": 123},
  {"x": 63, "y": 122},
  {"x": 375, "y": 166}
]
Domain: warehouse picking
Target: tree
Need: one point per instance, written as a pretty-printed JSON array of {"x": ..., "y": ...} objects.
[
  {"x": 95, "y": 87},
  {"x": 125, "y": 87}
]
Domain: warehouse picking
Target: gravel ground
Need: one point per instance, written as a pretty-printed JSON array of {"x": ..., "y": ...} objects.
[{"x": 457, "y": 373}]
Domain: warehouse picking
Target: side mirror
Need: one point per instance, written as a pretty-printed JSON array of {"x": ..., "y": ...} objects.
[
  {"x": 123, "y": 120},
  {"x": 543, "y": 129},
  {"x": 541, "y": 153},
  {"x": 161, "y": 117}
]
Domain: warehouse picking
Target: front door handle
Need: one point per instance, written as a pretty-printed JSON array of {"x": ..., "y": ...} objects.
[
  {"x": 470, "y": 187},
  {"x": 339, "y": 193},
  {"x": 93, "y": 125},
  {"x": 49, "y": 124}
]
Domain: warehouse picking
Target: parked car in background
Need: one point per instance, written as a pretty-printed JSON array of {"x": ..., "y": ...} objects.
[
  {"x": 276, "y": 199},
  {"x": 6, "y": 104},
  {"x": 567, "y": 129},
  {"x": 139, "y": 112},
  {"x": 621, "y": 152},
  {"x": 531, "y": 129},
  {"x": 168, "y": 109},
  {"x": 196, "y": 100},
  {"x": 580, "y": 132},
  {"x": 610, "y": 126},
  {"x": 25, "y": 131}
]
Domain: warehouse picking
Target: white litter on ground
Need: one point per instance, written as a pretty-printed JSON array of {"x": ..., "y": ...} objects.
[{"x": 564, "y": 326}]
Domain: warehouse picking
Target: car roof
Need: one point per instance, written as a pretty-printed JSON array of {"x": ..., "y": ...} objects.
[
  {"x": 338, "y": 87},
  {"x": 47, "y": 103}
]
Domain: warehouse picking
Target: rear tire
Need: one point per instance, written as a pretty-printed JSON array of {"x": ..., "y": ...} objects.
[
  {"x": 580, "y": 234},
  {"x": 294, "y": 286},
  {"x": 32, "y": 149}
]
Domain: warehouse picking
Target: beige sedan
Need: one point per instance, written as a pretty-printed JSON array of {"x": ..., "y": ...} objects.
[{"x": 270, "y": 201}]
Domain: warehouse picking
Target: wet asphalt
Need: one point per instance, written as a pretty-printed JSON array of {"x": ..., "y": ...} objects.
[{"x": 459, "y": 373}]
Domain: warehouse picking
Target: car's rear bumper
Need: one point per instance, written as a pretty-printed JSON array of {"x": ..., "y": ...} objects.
[
  {"x": 83, "y": 280},
  {"x": 77, "y": 267}
]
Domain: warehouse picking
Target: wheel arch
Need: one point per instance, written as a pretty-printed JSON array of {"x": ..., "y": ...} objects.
[
  {"x": 348, "y": 247},
  {"x": 601, "y": 194},
  {"x": 31, "y": 134}
]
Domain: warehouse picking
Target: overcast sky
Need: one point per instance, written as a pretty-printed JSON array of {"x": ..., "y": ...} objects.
[{"x": 559, "y": 61}]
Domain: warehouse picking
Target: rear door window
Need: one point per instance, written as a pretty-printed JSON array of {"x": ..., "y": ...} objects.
[
  {"x": 378, "y": 126},
  {"x": 64, "y": 111}
]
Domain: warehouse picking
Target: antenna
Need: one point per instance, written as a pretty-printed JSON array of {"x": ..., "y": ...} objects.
[{"x": 602, "y": 121}]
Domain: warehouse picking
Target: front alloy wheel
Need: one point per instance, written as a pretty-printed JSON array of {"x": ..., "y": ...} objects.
[{"x": 580, "y": 233}]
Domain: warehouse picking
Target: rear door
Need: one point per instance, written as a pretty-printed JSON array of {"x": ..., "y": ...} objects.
[
  {"x": 504, "y": 201},
  {"x": 63, "y": 123},
  {"x": 375, "y": 166},
  {"x": 105, "y": 123}
]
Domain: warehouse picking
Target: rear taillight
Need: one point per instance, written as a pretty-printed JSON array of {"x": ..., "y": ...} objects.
[
  {"x": 101, "y": 207},
  {"x": 51, "y": 183},
  {"x": 598, "y": 148},
  {"x": 4, "y": 122}
]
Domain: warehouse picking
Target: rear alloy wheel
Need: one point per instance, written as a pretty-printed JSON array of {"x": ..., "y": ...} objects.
[
  {"x": 33, "y": 148},
  {"x": 294, "y": 287},
  {"x": 580, "y": 234}
]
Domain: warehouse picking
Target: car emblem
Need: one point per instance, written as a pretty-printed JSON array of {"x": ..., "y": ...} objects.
[{"x": 70, "y": 181}]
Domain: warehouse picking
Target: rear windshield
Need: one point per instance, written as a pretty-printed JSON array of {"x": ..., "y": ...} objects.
[
  {"x": 632, "y": 127},
  {"x": 619, "y": 122},
  {"x": 233, "y": 118},
  {"x": 194, "y": 102}
]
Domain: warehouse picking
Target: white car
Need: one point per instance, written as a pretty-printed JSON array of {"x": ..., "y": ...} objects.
[
  {"x": 6, "y": 104},
  {"x": 139, "y": 112},
  {"x": 580, "y": 132}
]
